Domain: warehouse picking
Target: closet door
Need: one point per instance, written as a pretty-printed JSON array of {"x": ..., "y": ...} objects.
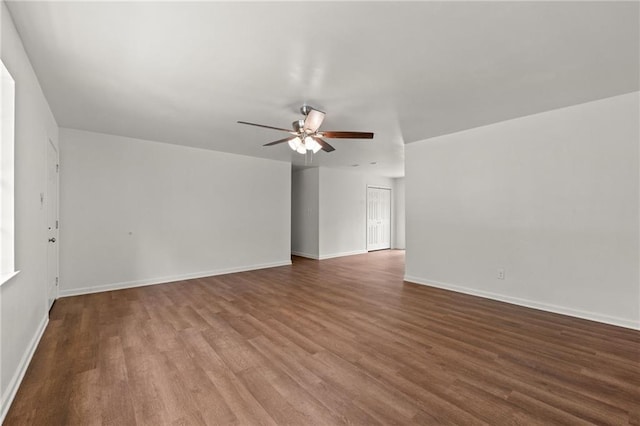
[{"x": 378, "y": 218}]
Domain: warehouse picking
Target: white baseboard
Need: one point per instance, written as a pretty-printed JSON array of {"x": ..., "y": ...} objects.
[
  {"x": 328, "y": 256},
  {"x": 307, "y": 255},
  {"x": 16, "y": 380},
  {"x": 593, "y": 316},
  {"x": 163, "y": 280},
  {"x": 344, "y": 253}
]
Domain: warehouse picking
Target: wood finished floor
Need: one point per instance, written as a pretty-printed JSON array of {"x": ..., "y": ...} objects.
[{"x": 331, "y": 342}]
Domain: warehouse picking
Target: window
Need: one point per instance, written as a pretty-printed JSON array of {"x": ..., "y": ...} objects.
[{"x": 7, "y": 123}]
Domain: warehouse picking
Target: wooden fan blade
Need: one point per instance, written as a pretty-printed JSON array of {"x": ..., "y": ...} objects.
[
  {"x": 325, "y": 146},
  {"x": 268, "y": 127},
  {"x": 346, "y": 135},
  {"x": 278, "y": 141},
  {"x": 313, "y": 121}
]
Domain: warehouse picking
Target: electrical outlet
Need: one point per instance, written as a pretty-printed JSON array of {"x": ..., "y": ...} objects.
[{"x": 501, "y": 273}]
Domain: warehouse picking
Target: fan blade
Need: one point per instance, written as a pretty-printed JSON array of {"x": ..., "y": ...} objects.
[
  {"x": 346, "y": 135},
  {"x": 268, "y": 127},
  {"x": 325, "y": 146},
  {"x": 313, "y": 121},
  {"x": 278, "y": 141}
]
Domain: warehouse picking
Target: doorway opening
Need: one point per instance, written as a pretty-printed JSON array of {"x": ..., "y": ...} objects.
[{"x": 51, "y": 204}]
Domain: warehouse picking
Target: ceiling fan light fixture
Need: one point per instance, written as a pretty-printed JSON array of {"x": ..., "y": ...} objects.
[
  {"x": 295, "y": 143},
  {"x": 311, "y": 144},
  {"x": 301, "y": 149}
]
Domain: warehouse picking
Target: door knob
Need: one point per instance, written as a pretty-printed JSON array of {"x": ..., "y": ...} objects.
[{"x": 52, "y": 240}]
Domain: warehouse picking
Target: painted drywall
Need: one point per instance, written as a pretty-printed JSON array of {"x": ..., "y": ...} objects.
[
  {"x": 552, "y": 198},
  {"x": 329, "y": 211},
  {"x": 135, "y": 212},
  {"x": 343, "y": 211},
  {"x": 23, "y": 312},
  {"x": 399, "y": 210},
  {"x": 304, "y": 212},
  {"x": 342, "y": 224}
]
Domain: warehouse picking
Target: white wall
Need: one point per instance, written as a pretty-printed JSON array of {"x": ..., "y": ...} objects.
[
  {"x": 552, "y": 198},
  {"x": 399, "y": 212},
  {"x": 23, "y": 299},
  {"x": 135, "y": 212},
  {"x": 329, "y": 211},
  {"x": 304, "y": 212},
  {"x": 343, "y": 210}
]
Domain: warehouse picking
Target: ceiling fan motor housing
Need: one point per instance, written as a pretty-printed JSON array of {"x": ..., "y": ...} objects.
[
  {"x": 298, "y": 125},
  {"x": 305, "y": 109}
]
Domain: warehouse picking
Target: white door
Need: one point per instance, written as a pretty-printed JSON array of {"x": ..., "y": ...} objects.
[
  {"x": 378, "y": 218},
  {"x": 51, "y": 204}
]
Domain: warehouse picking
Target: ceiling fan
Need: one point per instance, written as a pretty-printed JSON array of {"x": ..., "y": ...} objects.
[{"x": 306, "y": 136}]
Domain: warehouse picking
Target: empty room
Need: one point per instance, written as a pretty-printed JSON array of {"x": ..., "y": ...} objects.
[{"x": 358, "y": 212}]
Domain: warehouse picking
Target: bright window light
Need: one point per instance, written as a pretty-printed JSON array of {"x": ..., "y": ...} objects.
[{"x": 7, "y": 123}]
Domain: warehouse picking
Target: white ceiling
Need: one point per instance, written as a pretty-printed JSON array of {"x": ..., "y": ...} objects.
[{"x": 184, "y": 73}]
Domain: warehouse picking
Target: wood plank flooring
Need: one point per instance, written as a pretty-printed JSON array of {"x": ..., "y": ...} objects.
[{"x": 331, "y": 342}]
